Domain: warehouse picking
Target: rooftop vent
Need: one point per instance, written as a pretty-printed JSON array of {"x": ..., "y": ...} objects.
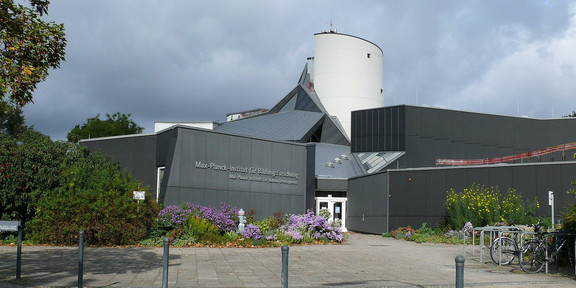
[{"x": 329, "y": 164}]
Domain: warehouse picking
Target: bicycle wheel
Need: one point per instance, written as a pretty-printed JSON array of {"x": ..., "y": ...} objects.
[
  {"x": 506, "y": 254},
  {"x": 532, "y": 257}
]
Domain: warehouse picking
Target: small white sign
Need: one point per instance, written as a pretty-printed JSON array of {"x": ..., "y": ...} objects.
[
  {"x": 139, "y": 195},
  {"x": 550, "y": 198},
  {"x": 9, "y": 225}
]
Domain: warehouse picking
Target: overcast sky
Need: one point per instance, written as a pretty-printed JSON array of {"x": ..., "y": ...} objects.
[{"x": 198, "y": 60}]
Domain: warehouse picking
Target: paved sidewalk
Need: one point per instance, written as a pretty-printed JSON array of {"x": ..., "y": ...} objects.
[{"x": 364, "y": 261}]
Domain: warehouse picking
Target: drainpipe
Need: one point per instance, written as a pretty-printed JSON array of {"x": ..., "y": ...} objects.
[{"x": 387, "y": 200}]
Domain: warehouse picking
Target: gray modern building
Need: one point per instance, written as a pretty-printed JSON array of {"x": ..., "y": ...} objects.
[{"x": 373, "y": 167}]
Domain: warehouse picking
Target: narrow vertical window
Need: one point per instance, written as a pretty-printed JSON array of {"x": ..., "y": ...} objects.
[{"x": 159, "y": 178}]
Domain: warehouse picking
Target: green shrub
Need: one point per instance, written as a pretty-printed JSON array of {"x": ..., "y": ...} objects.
[
  {"x": 272, "y": 223},
  {"x": 484, "y": 206},
  {"x": 403, "y": 233},
  {"x": 30, "y": 165},
  {"x": 201, "y": 229},
  {"x": 514, "y": 211},
  {"x": 231, "y": 236},
  {"x": 94, "y": 196},
  {"x": 569, "y": 216},
  {"x": 476, "y": 204}
]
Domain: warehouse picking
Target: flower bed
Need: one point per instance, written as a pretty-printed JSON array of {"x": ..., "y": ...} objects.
[{"x": 195, "y": 225}]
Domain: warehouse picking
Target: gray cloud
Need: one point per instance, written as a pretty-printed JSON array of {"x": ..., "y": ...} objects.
[{"x": 198, "y": 60}]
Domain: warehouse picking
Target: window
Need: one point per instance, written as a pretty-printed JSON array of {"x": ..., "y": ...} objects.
[{"x": 159, "y": 178}]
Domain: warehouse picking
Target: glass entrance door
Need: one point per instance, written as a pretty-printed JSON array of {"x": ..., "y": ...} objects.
[{"x": 337, "y": 208}]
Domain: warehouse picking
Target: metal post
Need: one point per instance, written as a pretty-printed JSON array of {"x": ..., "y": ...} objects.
[
  {"x": 81, "y": 260},
  {"x": 19, "y": 253},
  {"x": 165, "y": 266},
  {"x": 464, "y": 244},
  {"x": 459, "y": 271},
  {"x": 551, "y": 203},
  {"x": 285, "y": 249}
]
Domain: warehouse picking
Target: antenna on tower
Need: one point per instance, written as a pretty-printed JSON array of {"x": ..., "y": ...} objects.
[{"x": 331, "y": 29}]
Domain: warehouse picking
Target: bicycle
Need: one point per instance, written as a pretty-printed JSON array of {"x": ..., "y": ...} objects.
[
  {"x": 537, "y": 252},
  {"x": 504, "y": 248}
]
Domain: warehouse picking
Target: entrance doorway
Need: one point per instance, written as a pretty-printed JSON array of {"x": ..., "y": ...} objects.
[{"x": 337, "y": 208}]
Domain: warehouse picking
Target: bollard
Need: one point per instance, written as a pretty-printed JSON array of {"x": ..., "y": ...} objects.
[
  {"x": 81, "y": 259},
  {"x": 19, "y": 253},
  {"x": 285, "y": 249},
  {"x": 464, "y": 244},
  {"x": 165, "y": 266},
  {"x": 459, "y": 271}
]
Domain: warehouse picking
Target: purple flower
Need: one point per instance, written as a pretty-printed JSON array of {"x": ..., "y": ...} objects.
[
  {"x": 251, "y": 231},
  {"x": 312, "y": 226},
  {"x": 408, "y": 235},
  {"x": 468, "y": 228},
  {"x": 295, "y": 235},
  {"x": 174, "y": 216}
]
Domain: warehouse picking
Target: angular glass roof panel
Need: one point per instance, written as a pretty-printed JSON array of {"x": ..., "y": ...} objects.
[{"x": 376, "y": 161}]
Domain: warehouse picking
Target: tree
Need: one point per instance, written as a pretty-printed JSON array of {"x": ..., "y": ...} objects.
[
  {"x": 30, "y": 165},
  {"x": 114, "y": 125},
  {"x": 96, "y": 196},
  {"x": 12, "y": 119},
  {"x": 570, "y": 115},
  {"x": 28, "y": 48}
]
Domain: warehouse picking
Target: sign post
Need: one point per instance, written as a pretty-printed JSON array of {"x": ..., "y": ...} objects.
[
  {"x": 15, "y": 226},
  {"x": 139, "y": 195},
  {"x": 551, "y": 203}
]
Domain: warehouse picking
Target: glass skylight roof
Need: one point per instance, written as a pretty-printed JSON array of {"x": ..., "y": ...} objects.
[{"x": 375, "y": 161}]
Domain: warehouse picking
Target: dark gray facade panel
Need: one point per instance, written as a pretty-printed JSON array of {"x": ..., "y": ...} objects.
[
  {"x": 457, "y": 179},
  {"x": 309, "y": 178},
  {"x": 240, "y": 200},
  {"x": 435, "y": 193},
  {"x": 501, "y": 177},
  {"x": 415, "y": 194},
  {"x": 398, "y": 196},
  {"x": 367, "y": 204},
  {"x": 426, "y": 119},
  {"x": 208, "y": 168},
  {"x": 165, "y": 145},
  {"x": 134, "y": 154},
  {"x": 457, "y": 150},
  {"x": 240, "y": 148},
  {"x": 332, "y": 184},
  {"x": 524, "y": 180},
  {"x": 367, "y": 224},
  {"x": 412, "y": 203},
  {"x": 214, "y": 197},
  {"x": 478, "y": 176},
  {"x": 408, "y": 128}
]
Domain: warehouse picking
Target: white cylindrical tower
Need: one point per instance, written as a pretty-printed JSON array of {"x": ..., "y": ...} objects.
[{"x": 347, "y": 75}]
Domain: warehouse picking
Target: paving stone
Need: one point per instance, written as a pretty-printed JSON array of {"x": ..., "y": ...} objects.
[{"x": 364, "y": 261}]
